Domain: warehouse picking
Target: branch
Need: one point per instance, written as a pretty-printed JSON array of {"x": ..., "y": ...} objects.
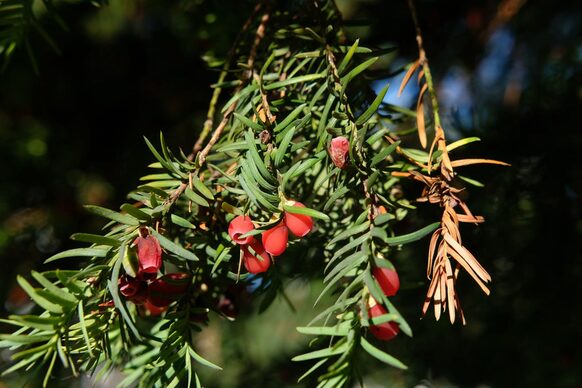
[
  {"x": 264, "y": 101},
  {"x": 201, "y": 155},
  {"x": 216, "y": 94},
  {"x": 209, "y": 115},
  {"x": 252, "y": 56},
  {"x": 423, "y": 61},
  {"x": 440, "y": 140}
]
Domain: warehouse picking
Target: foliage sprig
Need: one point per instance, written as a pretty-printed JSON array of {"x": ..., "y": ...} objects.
[{"x": 300, "y": 134}]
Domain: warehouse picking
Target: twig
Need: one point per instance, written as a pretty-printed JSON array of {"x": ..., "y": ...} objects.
[
  {"x": 258, "y": 37},
  {"x": 423, "y": 60},
  {"x": 252, "y": 56},
  {"x": 264, "y": 101},
  {"x": 330, "y": 57},
  {"x": 446, "y": 244},
  {"x": 440, "y": 140},
  {"x": 216, "y": 135},
  {"x": 216, "y": 94},
  {"x": 201, "y": 155},
  {"x": 210, "y": 114},
  {"x": 369, "y": 197},
  {"x": 283, "y": 75},
  {"x": 251, "y": 63}
]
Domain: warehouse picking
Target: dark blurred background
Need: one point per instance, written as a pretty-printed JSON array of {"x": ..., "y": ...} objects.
[{"x": 507, "y": 71}]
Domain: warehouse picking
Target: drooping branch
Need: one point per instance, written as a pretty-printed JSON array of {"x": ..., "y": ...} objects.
[{"x": 446, "y": 244}]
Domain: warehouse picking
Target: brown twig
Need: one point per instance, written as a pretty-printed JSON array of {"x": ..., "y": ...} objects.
[
  {"x": 369, "y": 198},
  {"x": 446, "y": 244},
  {"x": 440, "y": 140},
  {"x": 258, "y": 37},
  {"x": 252, "y": 56},
  {"x": 209, "y": 116},
  {"x": 208, "y": 124},
  {"x": 268, "y": 118}
]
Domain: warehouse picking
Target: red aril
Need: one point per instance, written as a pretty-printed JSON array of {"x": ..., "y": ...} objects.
[
  {"x": 275, "y": 239},
  {"x": 339, "y": 149},
  {"x": 384, "y": 331},
  {"x": 168, "y": 288},
  {"x": 239, "y": 226},
  {"x": 298, "y": 224},
  {"x": 387, "y": 279},
  {"x": 128, "y": 286},
  {"x": 149, "y": 254},
  {"x": 258, "y": 262}
]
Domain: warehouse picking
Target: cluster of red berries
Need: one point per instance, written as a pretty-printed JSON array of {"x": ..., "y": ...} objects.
[
  {"x": 154, "y": 293},
  {"x": 257, "y": 253},
  {"x": 389, "y": 283}
]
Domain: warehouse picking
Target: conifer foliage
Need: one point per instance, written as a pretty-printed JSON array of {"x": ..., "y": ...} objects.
[{"x": 299, "y": 156}]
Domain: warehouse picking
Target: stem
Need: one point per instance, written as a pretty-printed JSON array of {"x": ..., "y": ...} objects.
[
  {"x": 210, "y": 114},
  {"x": 201, "y": 155},
  {"x": 252, "y": 56},
  {"x": 216, "y": 94},
  {"x": 369, "y": 197},
  {"x": 344, "y": 101},
  {"x": 258, "y": 37},
  {"x": 216, "y": 135},
  {"x": 440, "y": 139},
  {"x": 423, "y": 60},
  {"x": 264, "y": 99}
]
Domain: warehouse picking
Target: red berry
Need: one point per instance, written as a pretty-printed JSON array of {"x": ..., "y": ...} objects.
[
  {"x": 149, "y": 254},
  {"x": 153, "y": 310},
  {"x": 141, "y": 296},
  {"x": 275, "y": 239},
  {"x": 128, "y": 286},
  {"x": 168, "y": 288},
  {"x": 384, "y": 331},
  {"x": 388, "y": 280},
  {"x": 299, "y": 224},
  {"x": 239, "y": 226},
  {"x": 258, "y": 263},
  {"x": 339, "y": 150}
]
